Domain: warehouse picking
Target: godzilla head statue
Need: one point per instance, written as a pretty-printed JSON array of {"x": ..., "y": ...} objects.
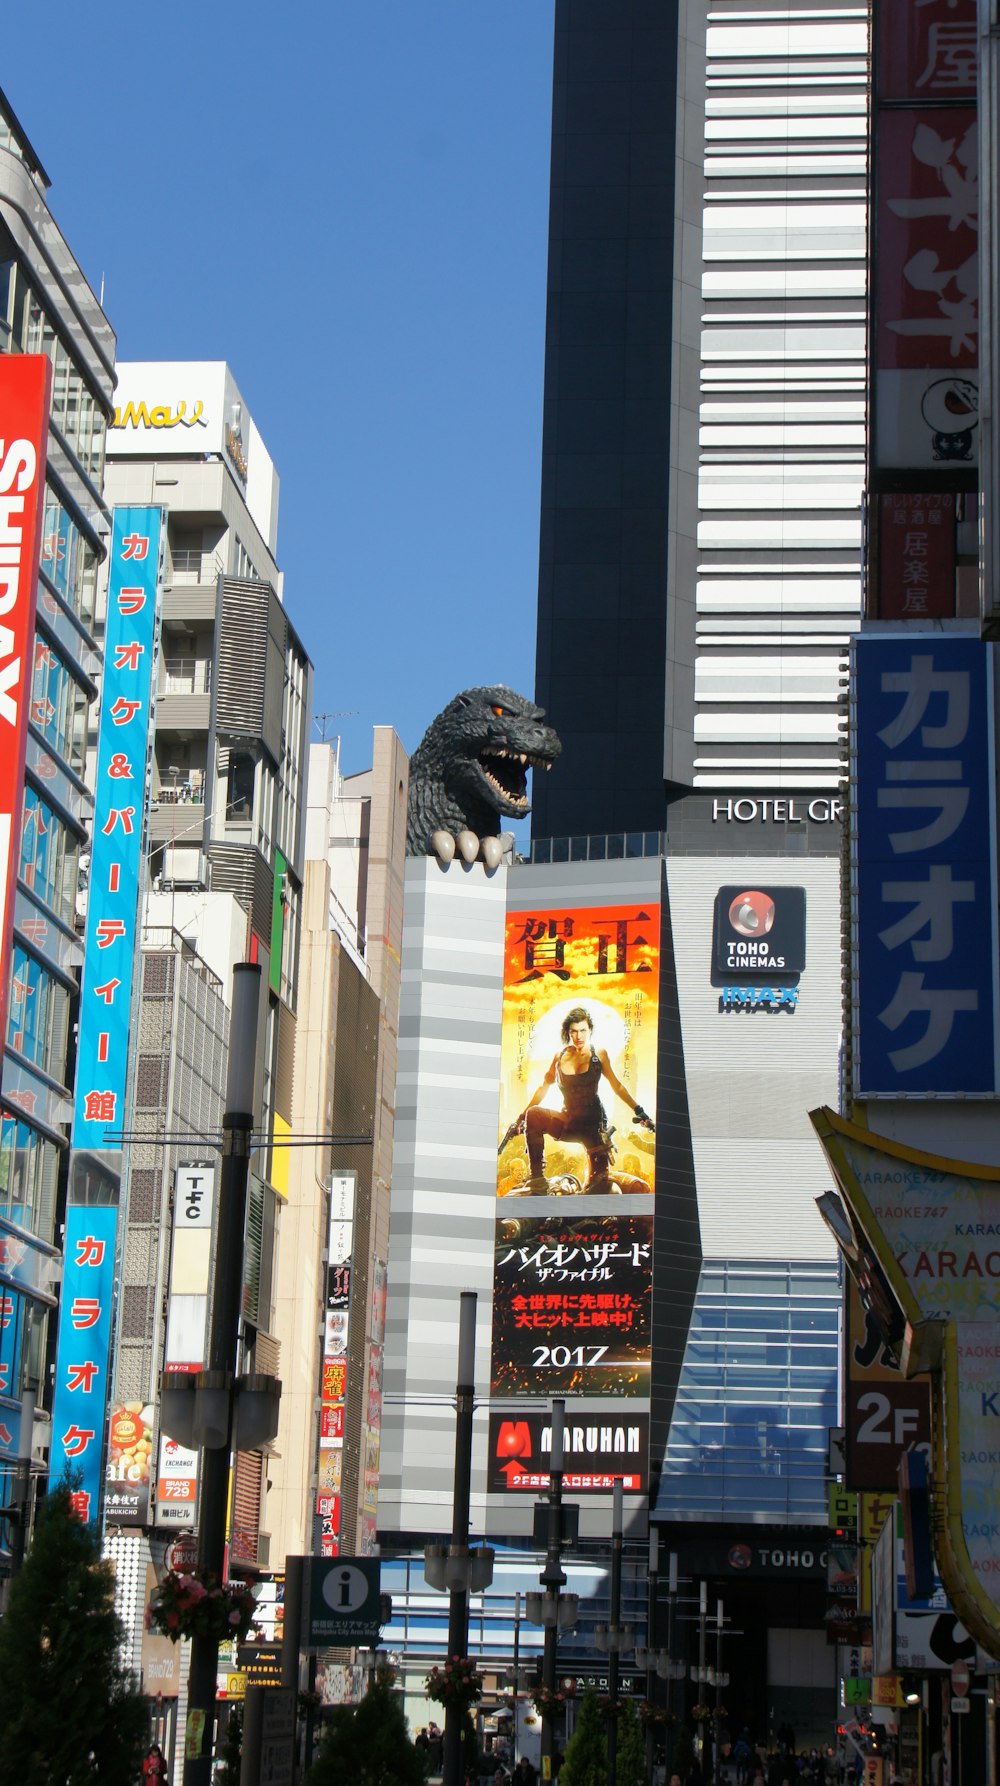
[{"x": 470, "y": 771}]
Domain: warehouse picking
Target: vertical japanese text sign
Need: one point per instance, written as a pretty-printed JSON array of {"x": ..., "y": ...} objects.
[
  {"x": 925, "y": 279},
  {"x": 924, "y": 892},
  {"x": 78, "y": 1411},
  {"x": 25, "y": 384},
  {"x": 119, "y": 805}
]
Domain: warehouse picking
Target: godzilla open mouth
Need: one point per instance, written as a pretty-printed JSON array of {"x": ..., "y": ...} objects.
[{"x": 506, "y": 772}]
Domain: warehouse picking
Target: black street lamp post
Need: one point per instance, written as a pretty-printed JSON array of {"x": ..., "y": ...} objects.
[
  {"x": 217, "y": 1411},
  {"x": 614, "y": 1637},
  {"x": 455, "y": 1567}
]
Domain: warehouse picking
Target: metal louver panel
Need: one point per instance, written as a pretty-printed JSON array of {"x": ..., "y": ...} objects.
[
  {"x": 242, "y": 657},
  {"x": 246, "y": 1507},
  {"x": 258, "y": 1256},
  {"x": 285, "y": 1063},
  {"x": 242, "y": 871}
]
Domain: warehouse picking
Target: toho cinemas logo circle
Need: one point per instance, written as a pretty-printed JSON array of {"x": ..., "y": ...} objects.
[{"x": 759, "y": 933}]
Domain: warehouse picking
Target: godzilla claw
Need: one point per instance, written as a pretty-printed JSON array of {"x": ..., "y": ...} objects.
[
  {"x": 468, "y": 845},
  {"x": 443, "y": 845},
  {"x": 492, "y": 851}
]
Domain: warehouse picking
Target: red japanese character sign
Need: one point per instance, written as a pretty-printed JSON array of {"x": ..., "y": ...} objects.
[
  {"x": 926, "y": 50},
  {"x": 927, "y": 280},
  {"x": 916, "y": 556}
]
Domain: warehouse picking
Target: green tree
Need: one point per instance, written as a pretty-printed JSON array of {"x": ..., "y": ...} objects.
[
  {"x": 683, "y": 1756},
  {"x": 630, "y": 1767},
  {"x": 586, "y": 1759},
  {"x": 368, "y": 1744},
  {"x": 71, "y": 1714}
]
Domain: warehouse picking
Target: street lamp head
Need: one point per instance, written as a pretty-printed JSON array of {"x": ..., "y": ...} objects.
[
  {"x": 212, "y": 1409},
  {"x": 258, "y": 1399},
  {"x": 435, "y": 1556}
]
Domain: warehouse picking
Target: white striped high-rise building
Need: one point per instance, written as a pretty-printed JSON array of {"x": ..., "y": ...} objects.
[{"x": 782, "y": 390}]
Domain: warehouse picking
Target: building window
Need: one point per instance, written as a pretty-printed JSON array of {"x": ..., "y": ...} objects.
[
  {"x": 240, "y": 785},
  {"x": 757, "y": 1393},
  {"x": 29, "y": 1167},
  {"x": 59, "y": 706},
  {"x": 68, "y": 561},
  {"x": 37, "y": 1015},
  {"x": 50, "y": 853}
]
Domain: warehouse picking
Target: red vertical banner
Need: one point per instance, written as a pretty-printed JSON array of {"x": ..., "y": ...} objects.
[
  {"x": 916, "y": 556},
  {"x": 927, "y": 50},
  {"x": 25, "y": 387}
]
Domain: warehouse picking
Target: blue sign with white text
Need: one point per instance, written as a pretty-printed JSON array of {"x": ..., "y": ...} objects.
[
  {"x": 119, "y": 806},
  {"x": 81, "y": 1393},
  {"x": 924, "y": 897}
]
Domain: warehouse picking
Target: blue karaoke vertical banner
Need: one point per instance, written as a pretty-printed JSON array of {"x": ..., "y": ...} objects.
[
  {"x": 134, "y": 584},
  {"x": 81, "y": 1394},
  {"x": 924, "y": 905}
]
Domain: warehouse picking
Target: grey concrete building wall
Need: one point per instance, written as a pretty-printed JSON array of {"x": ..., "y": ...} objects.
[{"x": 441, "y": 1237}]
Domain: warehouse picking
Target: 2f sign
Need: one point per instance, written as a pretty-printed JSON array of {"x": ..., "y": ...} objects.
[
  {"x": 882, "y": 1423},
  {"x": 885, "y": 1424}
]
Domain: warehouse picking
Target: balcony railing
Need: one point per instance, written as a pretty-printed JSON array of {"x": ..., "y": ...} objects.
[
  {"x": 188, "y": 565},
  {"x": 182, "y": 793},
  {"x": 610, "y": 846},
  {"x": 186, "y": 676}
]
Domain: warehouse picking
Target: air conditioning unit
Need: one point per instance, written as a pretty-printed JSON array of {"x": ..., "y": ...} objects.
[{"x": 184, "y": 866}]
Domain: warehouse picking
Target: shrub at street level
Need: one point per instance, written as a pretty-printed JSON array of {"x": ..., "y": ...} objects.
[
  {"x": 71, "y": 1714},
  {"x": 367, "y": 1745},
  {"x": 586, "y": 1760}
]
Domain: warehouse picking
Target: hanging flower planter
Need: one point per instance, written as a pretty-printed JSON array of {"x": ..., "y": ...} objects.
[
  {"x": 656, "y": 1717},
  {"x": 196, "y": 1604},
  {"x": 457, "y": 1683},
  {"x": 548, "y": 1702}
]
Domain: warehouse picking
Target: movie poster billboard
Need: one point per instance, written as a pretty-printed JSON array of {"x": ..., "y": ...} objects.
[
  {"x": 578, "y": 1052},
  {"x": 572, "y": 1305}
]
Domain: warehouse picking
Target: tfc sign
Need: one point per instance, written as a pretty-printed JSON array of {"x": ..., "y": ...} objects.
[{"x": 25, "y": 384}]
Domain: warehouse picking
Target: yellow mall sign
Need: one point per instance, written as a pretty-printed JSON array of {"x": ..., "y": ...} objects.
[{"x": 160, "y": 415}]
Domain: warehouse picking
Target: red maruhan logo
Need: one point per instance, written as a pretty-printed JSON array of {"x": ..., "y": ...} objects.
[{"x": 513, "y": 1446}]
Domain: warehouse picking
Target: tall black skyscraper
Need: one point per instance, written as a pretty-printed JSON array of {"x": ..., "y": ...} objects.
[{"x": 608, "y": 599}]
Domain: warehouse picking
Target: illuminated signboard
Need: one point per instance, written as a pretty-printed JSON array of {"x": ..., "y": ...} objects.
[
  {"x": 134, "y": 584},
  {"x": 25, "y": 383},
  {"x": 934, "y": 1223},
  {"x": 185, "y": 1344},
  {"x": 572, "y": 1306},
  {"x": 578, "y": 1051},
  {"x": 924, "y": 889},
  {"x": 81, "y": 1391},
  {"x": 333, "y": 1390},
  {"x": 923, "y": 307},
  {"x": 599, "y": 1450}
]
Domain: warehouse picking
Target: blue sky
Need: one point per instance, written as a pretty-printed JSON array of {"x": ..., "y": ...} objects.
[{"x": 348, "y": 201}]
